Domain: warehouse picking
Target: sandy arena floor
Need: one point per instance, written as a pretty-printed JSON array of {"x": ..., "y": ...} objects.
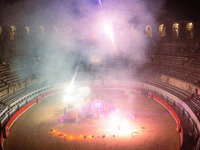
[{"x": 153, "y": 128}]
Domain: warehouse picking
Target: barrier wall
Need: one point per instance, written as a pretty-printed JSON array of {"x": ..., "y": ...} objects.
[
  {"x": 176, "y": 100},
  {"x": 16, "y": 115},
  {"x": 176, "y": 118},
  {"x": 186, "y": 86},
  {"x": 2, "y": 140},
  {"x": 173, "y": 113},
  {"x": 31, "y": 103}
]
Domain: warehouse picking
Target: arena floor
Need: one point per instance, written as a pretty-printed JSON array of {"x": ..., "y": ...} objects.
[{"x": 152, "y": 127}]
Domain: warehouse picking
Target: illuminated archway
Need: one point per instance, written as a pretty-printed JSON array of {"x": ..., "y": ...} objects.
[
  {"x": 27, "y": 32},
  {"x": 12, "y": 33},
  {"x": 42, "y": 29},
  {"x": 1, "y": 31},
  {"x": 41, "y": 34},
  {"x": 175, "y": 30},
  {"x": 190, "y": 30},
  {"x": 55, "y": 32},
  {"x": 162, "y": 30},
  {"x": 148, "y": 30}
]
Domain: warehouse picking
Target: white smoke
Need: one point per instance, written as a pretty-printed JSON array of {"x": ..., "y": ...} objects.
[
  {"x": 80, "y": 28},
  {"x": 78, "y": 98}
]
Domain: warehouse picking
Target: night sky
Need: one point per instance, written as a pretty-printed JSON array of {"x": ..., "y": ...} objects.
[
  {"x": 173, "y": 9},
  {"x": 184, "y": 9}
]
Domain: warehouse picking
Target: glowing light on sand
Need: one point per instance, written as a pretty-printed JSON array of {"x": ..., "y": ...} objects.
[
  {"x": 81, "y": 137},
  {"x": 118, "y": 125},
  {"x": 71, "y": 137},
  {"x": 89, "y": 136}
]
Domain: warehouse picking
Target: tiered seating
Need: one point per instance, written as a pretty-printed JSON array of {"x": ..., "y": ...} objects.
[
  {"x": 181, "y": 65},
  {"x": 12, "y": 80},
  {"x": 3, "y": 85},
  {"x": 184, "y": 68},
  {"x": 170, "y": 65}
]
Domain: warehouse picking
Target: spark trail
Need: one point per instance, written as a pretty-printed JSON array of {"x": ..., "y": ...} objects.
[{"x": 74, "y": 76}]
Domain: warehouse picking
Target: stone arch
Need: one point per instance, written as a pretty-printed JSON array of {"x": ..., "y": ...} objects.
[
  {"x": 55, "y": 32},
  {"x": 148, "y": 30},
  {"x": 175, "y": 30},
  {"x": 0, "y": 31},
  {"x": 190, "y": 30},
  {"x": 27, "y": 32},
  {"x": 162, "y": 30},
  {"x": 12, "y": 32},
  {"x": 1, "y": 34},
  {"x": 67, "y": 32},
  {"x": 41, "y": 34}
]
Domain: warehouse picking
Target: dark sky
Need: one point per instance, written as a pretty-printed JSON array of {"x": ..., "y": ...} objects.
[
  {"x": 183, "y": 9},
  {"x": 175, "y": 9}
]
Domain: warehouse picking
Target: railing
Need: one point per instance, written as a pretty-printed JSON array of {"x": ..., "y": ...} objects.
[{"x": 9, "y": 110}]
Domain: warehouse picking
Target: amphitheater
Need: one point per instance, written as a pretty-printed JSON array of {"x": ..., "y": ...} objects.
[{"x": 163, "y": 94}]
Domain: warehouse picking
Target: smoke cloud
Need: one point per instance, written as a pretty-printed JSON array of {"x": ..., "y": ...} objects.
[{"x": 78, "y": 30}]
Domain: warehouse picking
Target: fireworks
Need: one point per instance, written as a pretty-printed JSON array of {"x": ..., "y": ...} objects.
[{"x": 109, "y": 32}]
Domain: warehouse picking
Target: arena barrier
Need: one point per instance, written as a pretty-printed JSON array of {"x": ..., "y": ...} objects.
[
  {"x": 2, "y": 140},
  {"x": 5, "y": 132},
  {"x": 23, "y": 109},
  {"x": 38, "y": 99},
  {"x": 173, "y": 113},
  {"x": 16, "y": 115}
]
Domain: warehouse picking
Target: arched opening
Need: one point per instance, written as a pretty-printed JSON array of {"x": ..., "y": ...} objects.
[
  {"x": 190, "y": 30},
  {"x": 148, "y": 30},
  {"x": 0, "y": 30},
  {"x": 55, "y": 32},
  {"x": 162, "y": 30},
  {"x": 175, "y": 30},
  {"x": 12, "y": 33},
  {"x": 41, "y": 34},
  {"x": 67, "y": 32},
  {"x": 27, "y": 32},
  {"x": 133, "y": 28},
  {"x": 1, "y": 33}
]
